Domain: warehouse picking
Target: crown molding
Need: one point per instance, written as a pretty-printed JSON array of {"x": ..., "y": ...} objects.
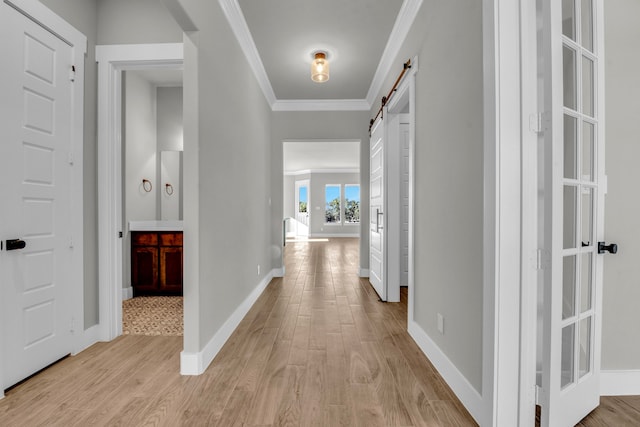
[
  {"x": 406, "y": 16},
  {"x": 401, "y": 27},
  {"x": 232, "y": 11},
  {"x": 321, "y": 105}
]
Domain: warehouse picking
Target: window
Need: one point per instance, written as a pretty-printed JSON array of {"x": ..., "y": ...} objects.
[
  {"x": 333, "y": 208},
  {"x": 302, "y": 199},
  {"x": 352, "y": 204}
]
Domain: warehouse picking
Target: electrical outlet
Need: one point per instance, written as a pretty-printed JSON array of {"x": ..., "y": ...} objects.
[
  {"x": 441, "y": 323},
  {"x": 258, "y": 270}
]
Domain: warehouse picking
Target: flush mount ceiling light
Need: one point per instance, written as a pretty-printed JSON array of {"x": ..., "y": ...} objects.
[{"x": 320, "y": 67}]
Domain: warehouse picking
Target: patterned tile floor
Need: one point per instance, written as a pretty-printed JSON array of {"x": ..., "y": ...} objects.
[{"x": 152, "y": 316}]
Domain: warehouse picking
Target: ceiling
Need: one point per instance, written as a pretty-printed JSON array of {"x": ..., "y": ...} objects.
[
  {"x": 362, "y": 38},
  {"x": 319, "y": 156}
]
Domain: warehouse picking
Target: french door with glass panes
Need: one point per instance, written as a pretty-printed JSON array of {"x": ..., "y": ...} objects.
[{"x": 574, "y": 187}]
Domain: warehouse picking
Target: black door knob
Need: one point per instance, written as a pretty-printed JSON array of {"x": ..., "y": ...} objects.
[
  {"x": 13, "y": 244},
  {"x": 611, "y": 248}
]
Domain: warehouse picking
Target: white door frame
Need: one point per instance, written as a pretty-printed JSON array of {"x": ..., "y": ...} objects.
[
  {"x": 392, "y": 172},
  {"x": 112, "y": 60},
  {"x": 46, "y": 18},
  {"x": 509, "y": 104}
]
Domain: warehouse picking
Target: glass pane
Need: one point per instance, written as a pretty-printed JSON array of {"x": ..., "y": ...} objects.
[
  {"x": 585, "y": 282},
  {"x": 587, "y": 150},
  {"x": 568, "y": 286},
  {"x": 569, "y": 223},
  {"x": 569, "y": 19},
  {"x": 570, "y": 147},
  {"x": 332, "y": 204},
  {"x": 566, "y": 367},
  {"x": 587, "y": 24},
  {"x": 585, "y": 347},
  {"x": 587, "y": 86},
  {"x": 302, "y": 199},
  {"x": 587, "y": 216},
  {"x": 569, "y": 77},
  {"x": 352, "y": 203}
]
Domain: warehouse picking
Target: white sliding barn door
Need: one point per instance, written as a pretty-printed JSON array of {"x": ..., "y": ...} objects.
[
  {"x": 574, "y": 188},
  {"x": 377, "y": 255},
  {"x": 36, "y": 264}
]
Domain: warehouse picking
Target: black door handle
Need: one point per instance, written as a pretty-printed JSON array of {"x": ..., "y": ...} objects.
[
  {"x": 13, "y": 244},
  {"x": 611, "y": 248}
]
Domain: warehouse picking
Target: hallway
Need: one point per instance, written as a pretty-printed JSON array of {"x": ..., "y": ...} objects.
[{"x": 317, "y": 348}]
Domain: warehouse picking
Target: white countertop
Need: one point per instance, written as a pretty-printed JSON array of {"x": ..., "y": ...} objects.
[{"x": 175, "y": 225}]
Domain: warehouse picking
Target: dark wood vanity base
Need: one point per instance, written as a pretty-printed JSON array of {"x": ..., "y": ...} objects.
[{"x": 156, "y": 263}]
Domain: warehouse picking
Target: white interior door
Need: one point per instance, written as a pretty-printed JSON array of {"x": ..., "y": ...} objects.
[
  {"x": 376, "y": 211},
  {"x": 574, "y": 189},
  {"x": 35, "y": 119}
]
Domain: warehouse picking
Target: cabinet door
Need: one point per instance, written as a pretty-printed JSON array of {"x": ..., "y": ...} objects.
[
  {"x": 171, "y": 269},
  {"x": 144, "y": 268}
]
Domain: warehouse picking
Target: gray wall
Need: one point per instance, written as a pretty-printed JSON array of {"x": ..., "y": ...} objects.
[
  {"x": 289, "y": 200},
  {"x": 136, "y": 21},
  {"x": 141, "y": 142},
  {"x": 227, "y": 180},
  {"x": 620, "y": 344},
  {"x": 448, "y": 177},
  {"x": 337, "y": 125}
]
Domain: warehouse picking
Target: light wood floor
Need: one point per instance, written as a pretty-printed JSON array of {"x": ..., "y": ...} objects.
[{"x": 317, "y": 349}]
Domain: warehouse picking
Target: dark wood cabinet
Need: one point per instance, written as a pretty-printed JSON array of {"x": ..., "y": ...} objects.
[{"x": 156, "y": 263}]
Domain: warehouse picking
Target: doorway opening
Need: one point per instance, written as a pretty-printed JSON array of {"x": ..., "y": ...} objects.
[
  {"x": 114, "y": 61},
  {"x": 321, "y": 189},
  {"x": 152, "y": 143}
]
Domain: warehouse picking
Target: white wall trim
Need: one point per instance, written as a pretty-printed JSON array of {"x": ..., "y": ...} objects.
[
  {"x": 279, "y": 272},
  {"x": 404, "y": 21},
  {"x": 321, "y": 105},
  {"x": 462, "y": 388},
  {"x": 112, "y": 59},
  {"x": 310, "y": 171},
  {"x": 196, "y": 363},
  {"x": 238, "y": 24},
  {"x": 127, "y": 293},
  {"x": 620, "y": 382},
  {"x": 502, "y": 229},
  {"x": 363, "y": 272}
]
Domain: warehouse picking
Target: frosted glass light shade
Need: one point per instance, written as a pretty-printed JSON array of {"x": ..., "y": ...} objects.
[{"x": 320, "y": 68}]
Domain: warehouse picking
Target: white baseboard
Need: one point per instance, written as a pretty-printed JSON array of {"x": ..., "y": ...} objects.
[
  {"x": 196, "y": 363},
  {"x": 468, "y": 395},
  {"x": 363, "y": 272},
  {"x": 127, "y": 293},
  {"x": 620, "y": 383},
  {"x": 278, "y": 272},
  {"x": 89, "y": 337}
]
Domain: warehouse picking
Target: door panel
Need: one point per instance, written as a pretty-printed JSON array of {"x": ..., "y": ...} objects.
[
  {"x": 35, "y": 172},
  {"x": 574, "y": 207},
  {"x": 376, "y": 211}
]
